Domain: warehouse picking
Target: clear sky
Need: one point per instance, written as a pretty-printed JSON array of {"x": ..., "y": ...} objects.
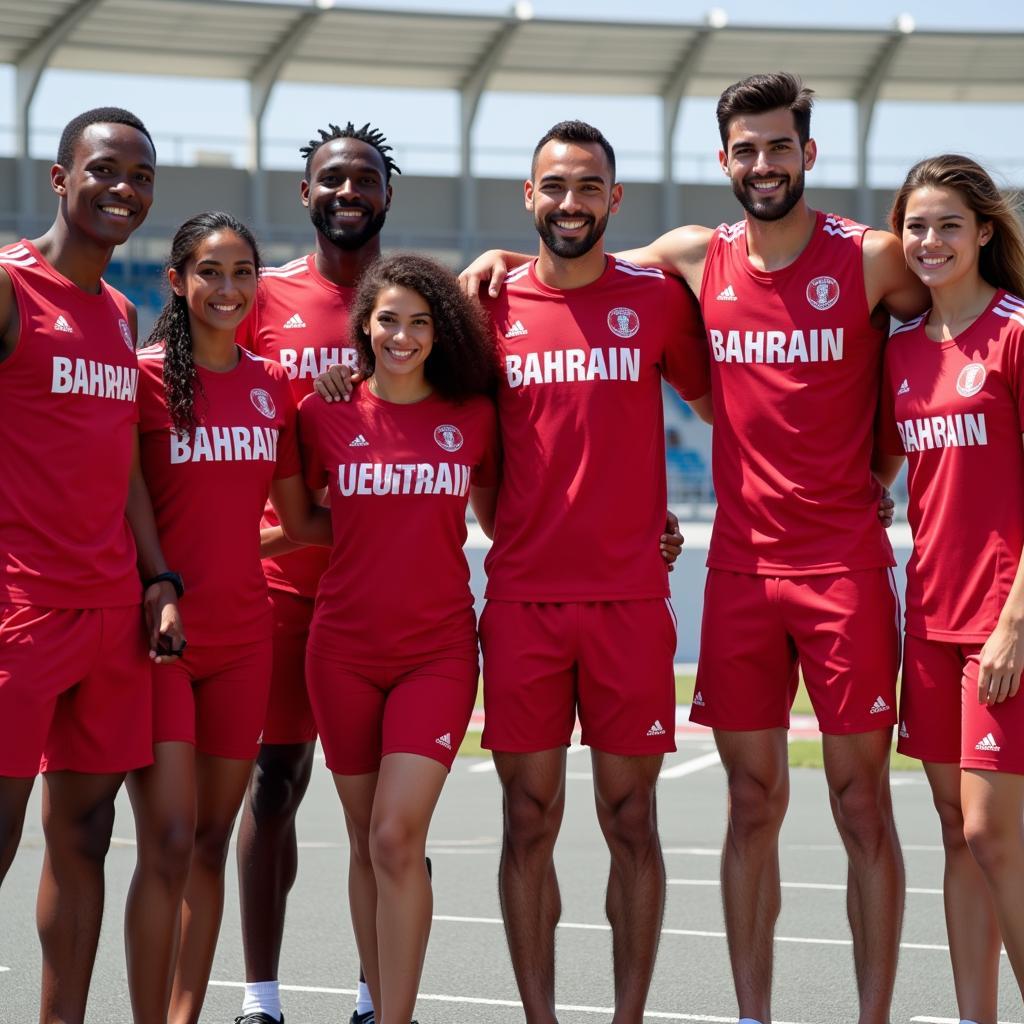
[{"x": 187, "y": 115}]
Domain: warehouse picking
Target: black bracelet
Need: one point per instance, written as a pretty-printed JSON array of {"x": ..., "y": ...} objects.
[{"x": 173, "y": 578}]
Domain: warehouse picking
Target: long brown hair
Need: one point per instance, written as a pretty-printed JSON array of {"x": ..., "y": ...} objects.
[{"x": 1001, "y": 260}]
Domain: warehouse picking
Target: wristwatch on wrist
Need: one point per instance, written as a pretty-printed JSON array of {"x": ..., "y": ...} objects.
[{"x": 173, "y": 578}]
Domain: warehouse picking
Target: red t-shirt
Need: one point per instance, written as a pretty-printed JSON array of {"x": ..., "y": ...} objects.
[
  {"x": 209, "y": 489},
  {"x": 956, "y": 410},
  {"x": 582, "y": 501},
  {"x": 67, "y": 427},
  {"x": 299, "y": 319},
  {"x": 397, "y": 585},
  {"x": 795, "y": 365}
]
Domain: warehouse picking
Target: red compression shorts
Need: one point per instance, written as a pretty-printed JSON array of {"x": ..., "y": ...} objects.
[{"x": 289, "y": 715}]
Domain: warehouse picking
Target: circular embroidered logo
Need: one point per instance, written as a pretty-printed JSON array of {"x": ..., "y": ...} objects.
[
  {"x": 448, "y": 437},
  {"x": 623, "y": 322},
  {"x": 971, "y": 379},
  {"x": 126, "y": 334},
  {"x": 823, "y": 292},
  {"x": 263, "y": 402}
]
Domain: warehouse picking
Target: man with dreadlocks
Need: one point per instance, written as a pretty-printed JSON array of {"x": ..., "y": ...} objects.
[{"x": 301, "y": 320}]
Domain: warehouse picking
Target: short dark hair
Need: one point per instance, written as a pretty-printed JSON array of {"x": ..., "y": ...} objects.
[
  {"x": 464, "y": 359},
  {"x": 574, "y": 131},
  {"x": 371, "y": 136},
  {"x": 75, "y": 128},
  {"x": 760, "y": 93}
]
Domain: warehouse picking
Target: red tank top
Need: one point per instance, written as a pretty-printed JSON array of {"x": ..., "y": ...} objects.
[
  {"x": 66, "y": 433},
  {"x": 795, "y": 367}
]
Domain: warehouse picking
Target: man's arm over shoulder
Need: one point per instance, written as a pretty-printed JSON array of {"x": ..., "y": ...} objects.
[
  {"x": 888, "y": 280},
  {"x": 9, "y": 320},
  {"x": 681, "y": 251}
]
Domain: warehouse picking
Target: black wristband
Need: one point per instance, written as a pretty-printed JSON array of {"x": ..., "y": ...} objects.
[{"x": 173, "y": 578}]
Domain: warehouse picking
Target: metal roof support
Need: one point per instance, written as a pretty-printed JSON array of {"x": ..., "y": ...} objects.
[
  {"x": 470, "y": 93},
  {"x": 261, "y": 85},
  {"x": 866, "y": 98},
  {"x": 671, "y": 98},
  {"x": 29, "y": 71}
]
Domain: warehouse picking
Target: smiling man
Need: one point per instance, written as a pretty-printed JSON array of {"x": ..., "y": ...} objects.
[
  {"x": 301, "y": 320},
  {"x": 75, "y": 688}
]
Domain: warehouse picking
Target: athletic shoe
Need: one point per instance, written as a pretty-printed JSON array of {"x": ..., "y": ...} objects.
[
  {"x": 259, "y": 1018},
  {"x": 362, "y": 1018}
]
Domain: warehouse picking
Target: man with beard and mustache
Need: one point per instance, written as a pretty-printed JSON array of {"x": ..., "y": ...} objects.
[
  {"x": 796, "y": 304},
  {"x": 578, "y": 620},
  {"x": 301, "y": 320}
]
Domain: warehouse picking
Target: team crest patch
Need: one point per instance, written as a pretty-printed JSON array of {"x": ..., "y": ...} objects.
[
  {"x": 448, "y": 437},
  {"x": 823, "y": 292},
  {"x": 971, "y": 379},
  {"x": 263, "y": 402},
  {"x": 623, "y": 322},
  {"x": 126, "y": 334}
]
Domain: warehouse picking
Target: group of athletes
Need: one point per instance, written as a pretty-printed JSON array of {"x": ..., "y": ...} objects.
[{"x": 530, "y": 388}]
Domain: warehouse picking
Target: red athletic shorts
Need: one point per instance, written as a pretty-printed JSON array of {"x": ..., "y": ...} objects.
[
  {"x": 365, "y": 712},
  {"x": 840, "y": 629},
  {"x": 214, "y": 698},
  {"x": 610, "y": 662},
  {"x": 940, "y": 717},
  {"x": 75, "y": 690},
  {"x": 289, "y": 715}
]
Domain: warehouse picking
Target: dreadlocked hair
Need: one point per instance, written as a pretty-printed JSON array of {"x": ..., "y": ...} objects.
[
  {"x": 182, "y": 382},
  {"x": 371, "y": 136}
]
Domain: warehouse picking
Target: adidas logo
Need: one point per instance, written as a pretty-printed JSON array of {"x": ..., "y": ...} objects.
[
  {"x": 727, "y": 294},
  {"x": 358, "y": 442},
  {"x": 294, "y": 321},
  {"x": 60, "y": 324},
  {"x": 879, "y": 706},
  {"x": 444, "y": 741},
  {"x": 904, "y": 731},
  {"x": 988, "y": 743},
  {"x": 517, "y": 330},
  {"x": 657, "y": 729},
  {"x": 904, "y": 387},
  {"x": 698, "y": 699}
]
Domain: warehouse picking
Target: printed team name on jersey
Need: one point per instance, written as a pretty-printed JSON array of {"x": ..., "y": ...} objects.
[
  {"x": 813, "y": 346},
  {"x": 89, "y": 377},
  {"x": 311, "y": 362},
  {"x": 564, "y": 366},
  {"x": 382, "y": 478},
  {"x": 962, "y": 430},
  {"x": 225, "y": 444}
]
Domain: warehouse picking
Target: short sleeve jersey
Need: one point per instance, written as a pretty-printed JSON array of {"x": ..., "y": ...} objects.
[
  {"x": 956, "y": 410},
  {"x": 583, "y": 497},
  {"x": 397, "y": 585},
  {"x": 299, "y": 319},
  {"x": 795, "y": 366},
  {"x": 209, "y": 488},
  {"x": 66, "y": 433}
]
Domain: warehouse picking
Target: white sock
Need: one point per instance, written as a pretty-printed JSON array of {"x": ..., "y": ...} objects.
[
  {"x": 968, "y": 1022},
  {"x": 262, "y": 997},
  {"x": 364, "y": 1004},
  {"x": 749, "y": 1020}
]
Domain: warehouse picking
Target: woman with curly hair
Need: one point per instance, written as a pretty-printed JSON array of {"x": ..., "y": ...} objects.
[
  {"x": 217, "y": 429},
  {"x": 391, "y": 663}
]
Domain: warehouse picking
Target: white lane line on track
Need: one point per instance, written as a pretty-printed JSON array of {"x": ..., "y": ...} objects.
[
  {"x": 829, "y": 886},
  {"x": 945, "y": 1020},
  {"x": 4, "y": 968},
  {"x": 605, "y": 1011},
  {"x": 693, "y": 933},
  {"x": 695, "y": 764}
]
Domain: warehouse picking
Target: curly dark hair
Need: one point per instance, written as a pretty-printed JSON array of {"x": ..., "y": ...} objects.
[
  {"x": 464, "y": 358},
  {"x": 181, "y": 381},
  {"x": 371, "y": 136}
]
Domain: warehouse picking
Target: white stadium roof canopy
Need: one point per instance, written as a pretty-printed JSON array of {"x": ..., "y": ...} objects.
[{"x": 323, "y": 41}]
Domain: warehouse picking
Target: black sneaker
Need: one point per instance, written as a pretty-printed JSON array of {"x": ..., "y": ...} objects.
[
  {"x": 259, "y": 1018},
  {"x": 362, "y": 1018}
]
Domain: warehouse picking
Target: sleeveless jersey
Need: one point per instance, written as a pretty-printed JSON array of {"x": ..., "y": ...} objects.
[
  {"x": 209, "y": 489},
  {"x": 66, "y": 433},
  {"x": 299, "y": 319},
  {"x": 397, "y": 586},
  {"x": 956, "y": 410},
  {"x": 583, "y": 495},
  {"x": 795, "y": 365}
]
